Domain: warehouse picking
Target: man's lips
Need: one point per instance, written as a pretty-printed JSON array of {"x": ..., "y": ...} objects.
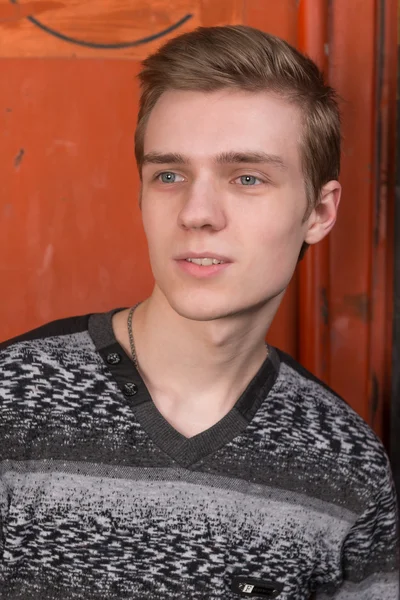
[
  {"x": 205, "y": 254},
  {"x": 200, "y": 271}
]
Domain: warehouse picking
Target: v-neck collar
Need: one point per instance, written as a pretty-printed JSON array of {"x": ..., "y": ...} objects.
[{"x": 185, "y": 451}]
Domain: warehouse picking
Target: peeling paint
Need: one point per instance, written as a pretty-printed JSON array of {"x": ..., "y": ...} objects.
[
  {"x": 358, "y": 305},
  {"x": 18, "y": 158},
  {"x": 324, "y": 306},
  {"x": 47, "y": 259}
]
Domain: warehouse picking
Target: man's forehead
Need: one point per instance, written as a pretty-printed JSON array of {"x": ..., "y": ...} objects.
[
  {"x": 225, "y": 104},
  {"x": 233, "y": 127}
]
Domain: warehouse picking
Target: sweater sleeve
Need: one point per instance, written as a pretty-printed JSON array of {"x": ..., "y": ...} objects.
[{"x": 370, "y": 551}]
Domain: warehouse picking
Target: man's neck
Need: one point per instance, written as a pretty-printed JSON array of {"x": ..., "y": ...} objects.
[{"x": 194, "y": 370}]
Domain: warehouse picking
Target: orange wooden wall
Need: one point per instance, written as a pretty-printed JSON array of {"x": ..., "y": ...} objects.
[{"x": 71, "y": 239}]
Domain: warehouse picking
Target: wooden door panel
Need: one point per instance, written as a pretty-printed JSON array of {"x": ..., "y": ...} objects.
[{"x": 103, "y": 29}]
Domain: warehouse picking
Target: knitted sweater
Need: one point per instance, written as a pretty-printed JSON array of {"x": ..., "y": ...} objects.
[{"x": 288, "y": 496}]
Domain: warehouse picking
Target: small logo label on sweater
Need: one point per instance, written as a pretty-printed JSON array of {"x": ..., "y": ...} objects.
[{"x": 250, "y": 587}]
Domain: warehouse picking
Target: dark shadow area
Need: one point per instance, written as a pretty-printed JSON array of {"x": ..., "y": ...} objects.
[{"x": 395, "y": 416}]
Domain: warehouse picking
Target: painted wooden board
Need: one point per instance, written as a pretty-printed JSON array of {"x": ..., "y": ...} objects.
[{"x": 103, "y": 28}]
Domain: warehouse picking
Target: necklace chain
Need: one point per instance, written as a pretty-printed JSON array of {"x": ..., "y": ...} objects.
[{"x": 130, "y": 331}]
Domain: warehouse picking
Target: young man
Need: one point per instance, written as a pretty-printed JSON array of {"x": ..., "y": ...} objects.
[{"x": 169, "y": 453}]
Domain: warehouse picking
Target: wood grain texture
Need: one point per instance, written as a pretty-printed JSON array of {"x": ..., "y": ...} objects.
[{"x": 103, "y": 28}]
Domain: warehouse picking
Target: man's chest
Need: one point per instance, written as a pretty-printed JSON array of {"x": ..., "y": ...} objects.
[{"x": 135, "y": 532}]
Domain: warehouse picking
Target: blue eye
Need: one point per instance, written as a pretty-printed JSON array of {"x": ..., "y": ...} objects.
[
  {"x": 167, "y": 177},
  {"x": 249, "y": 180}
]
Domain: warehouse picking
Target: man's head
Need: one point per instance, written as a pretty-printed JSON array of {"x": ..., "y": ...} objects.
[
  {"x": 243, "y": 58},
  {"x": 214, "y": 102}
]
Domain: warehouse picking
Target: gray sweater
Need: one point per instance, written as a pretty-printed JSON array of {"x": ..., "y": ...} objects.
[{"x": 289, "y": 496}]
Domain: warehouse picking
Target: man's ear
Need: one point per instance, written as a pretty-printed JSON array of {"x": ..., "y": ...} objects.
[{"x": 323, "y": 216}]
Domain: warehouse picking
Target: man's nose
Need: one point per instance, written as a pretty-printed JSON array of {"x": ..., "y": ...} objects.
[{"x": 202, "y": 206}]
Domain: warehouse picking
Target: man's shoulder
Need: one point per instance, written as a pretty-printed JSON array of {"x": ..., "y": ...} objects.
[
  {"x": 327, "y": 423},
  {"x": 51, "y": 338}
]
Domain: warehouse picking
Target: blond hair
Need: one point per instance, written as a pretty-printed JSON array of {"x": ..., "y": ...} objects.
[{"x": 243, "y": 58}]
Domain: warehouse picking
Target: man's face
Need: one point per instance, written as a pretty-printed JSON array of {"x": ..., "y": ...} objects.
[{"x": 247, "y": 208}]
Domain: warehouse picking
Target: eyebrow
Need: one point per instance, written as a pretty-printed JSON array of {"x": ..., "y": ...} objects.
[{"x": 224, "y": 158}]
